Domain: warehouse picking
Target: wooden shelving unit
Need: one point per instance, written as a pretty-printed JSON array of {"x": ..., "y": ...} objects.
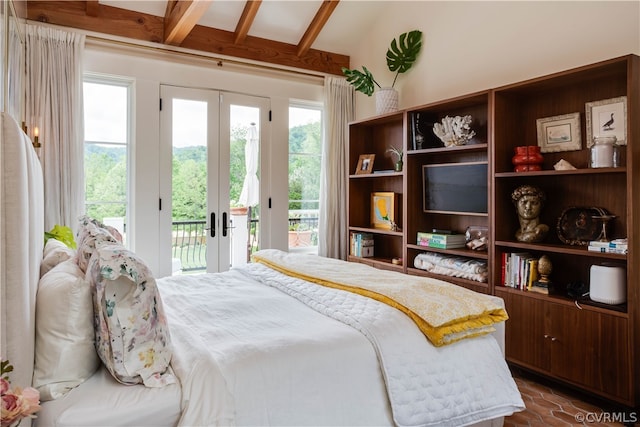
[{"x": 589, "y": 345}]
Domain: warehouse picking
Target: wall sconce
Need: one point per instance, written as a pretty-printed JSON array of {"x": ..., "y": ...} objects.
[{"x": 36, "y": 135}]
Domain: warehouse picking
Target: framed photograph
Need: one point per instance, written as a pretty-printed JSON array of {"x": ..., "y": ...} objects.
[
  {"x": 365, "y": 164},
  {"x": 383, "y": 210},
  {"x": 607, "y": 118},
  {"x": 559, "y": 133}
]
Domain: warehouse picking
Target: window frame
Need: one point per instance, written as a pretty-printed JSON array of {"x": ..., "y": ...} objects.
[{"x": 128, "y": 84}]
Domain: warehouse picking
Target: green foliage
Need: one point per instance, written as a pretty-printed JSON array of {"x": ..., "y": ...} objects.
[
  {"x": 401, "y": 55},
  {"x": 5, "y": 369},
  {"x": 396, "y": 152},
  {"x": 61, "y": 233},
  {"x": 361, "y": 81},
  {"x": 105, "y": 175},
  {"x": 305, "y": 155},
  {"x": 105, "y": 181}
]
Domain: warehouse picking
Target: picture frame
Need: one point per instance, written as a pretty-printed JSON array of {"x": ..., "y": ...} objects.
[
  {"x": 600, "y": 113},
  {"x": 559, "y": 133},
  {"x": 365, "y": 164},
  {"x": 383, "y": 210}
]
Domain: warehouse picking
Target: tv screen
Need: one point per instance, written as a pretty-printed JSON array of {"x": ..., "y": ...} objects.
[{"x": 455, "y": 187}]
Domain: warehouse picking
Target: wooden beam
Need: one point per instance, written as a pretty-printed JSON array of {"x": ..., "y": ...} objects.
[
  {"x": 259, "y": 49},
  {"x": 321, "y": 18},
  {"x": 244, "y": 24},
  {"x": 140, "y": 26},
  {"x": 170, "y": 5},
  {"x": 93, "y": 6},
  {"x": 112, "y": 20},
  {"x": 184, "y": 15}
]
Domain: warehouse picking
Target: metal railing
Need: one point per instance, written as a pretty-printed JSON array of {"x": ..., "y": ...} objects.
[
  {"x": 189, "y": 239},
  {"x": 189, "y": 244}
]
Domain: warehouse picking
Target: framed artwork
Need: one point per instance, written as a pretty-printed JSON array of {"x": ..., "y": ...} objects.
[
  {"x": 383, "y": 210},
  {"x": 365, "y": 164},
  {"x": 559, "y": 133},
  {"x": 607, "y": 118}
]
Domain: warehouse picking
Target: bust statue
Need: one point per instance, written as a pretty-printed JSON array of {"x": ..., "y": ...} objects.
[{"x": 529, "y": 200}]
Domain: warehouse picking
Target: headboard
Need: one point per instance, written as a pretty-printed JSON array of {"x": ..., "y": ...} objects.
[{"x": 21, "y": 245}]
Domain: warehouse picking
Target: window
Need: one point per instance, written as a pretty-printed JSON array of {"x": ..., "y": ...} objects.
[
  {"x": 305, "y": 154},
  {"x": 107, "y": 134}
]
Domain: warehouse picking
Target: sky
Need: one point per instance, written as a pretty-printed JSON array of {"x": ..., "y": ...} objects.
[{"x": 106, "y": 116}]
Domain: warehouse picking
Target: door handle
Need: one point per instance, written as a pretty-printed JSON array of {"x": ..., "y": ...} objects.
[
  {"x": 225, "y": 226},
  {"x": 212, "y": 225}
]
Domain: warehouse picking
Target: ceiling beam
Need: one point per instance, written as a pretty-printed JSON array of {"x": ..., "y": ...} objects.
[
  {"x": 149, "y": 28},
  {"x": 184, "y": 15},
  {"x": 244, "y": 24},
  {"x": 92, "y": 6},
  {"x": 321, "y": 18}
]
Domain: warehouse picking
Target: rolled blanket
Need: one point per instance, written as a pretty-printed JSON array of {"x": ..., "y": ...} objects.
[
  {"x": 423, "y": 264},
  {"x": 455, "y": 263}
]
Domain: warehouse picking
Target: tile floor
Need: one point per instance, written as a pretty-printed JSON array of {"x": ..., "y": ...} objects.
[{"x": 550, "y": 404}]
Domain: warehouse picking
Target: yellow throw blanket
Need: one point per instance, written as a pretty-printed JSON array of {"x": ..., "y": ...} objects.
[{"x": 444, "y": 312}]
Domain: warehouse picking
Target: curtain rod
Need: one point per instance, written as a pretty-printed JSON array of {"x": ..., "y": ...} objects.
[{"x": 219, "y": 61}]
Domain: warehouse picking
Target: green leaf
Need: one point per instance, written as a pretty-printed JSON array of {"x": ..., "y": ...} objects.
[
  {"x": 61, "y": 233},
  {"x": 403, "y": 52},
  {"x": 361, "y": 81},
  {"x": 5, "y": 368}
]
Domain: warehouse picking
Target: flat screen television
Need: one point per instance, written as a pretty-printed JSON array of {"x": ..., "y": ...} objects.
[{"x": 455, "y": 187}]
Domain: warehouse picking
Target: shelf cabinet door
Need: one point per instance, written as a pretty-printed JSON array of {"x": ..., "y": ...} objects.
[
  {"x": 590, "y": 348},
  {"x": 525, "y": 332}
]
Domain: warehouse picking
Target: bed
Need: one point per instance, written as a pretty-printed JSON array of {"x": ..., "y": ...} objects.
[{"x": 287, "y": 339}]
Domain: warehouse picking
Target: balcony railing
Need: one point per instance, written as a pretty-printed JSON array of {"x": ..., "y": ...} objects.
[
  {"x": 189, "y": 239},
  {"x": 189, "y": 244}
]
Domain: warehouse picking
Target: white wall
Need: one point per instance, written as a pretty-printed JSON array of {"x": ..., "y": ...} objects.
[
  {"x": 150, "y": 70},
  {"x": 476, "y": 45}
]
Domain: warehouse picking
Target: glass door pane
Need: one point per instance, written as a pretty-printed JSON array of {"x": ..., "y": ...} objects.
[
  {"x": 189, "y": 185},
  {"x": 243, "y": 127}
]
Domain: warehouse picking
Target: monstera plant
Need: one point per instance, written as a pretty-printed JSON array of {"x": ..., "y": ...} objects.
[{"x": 401, "y": 55}]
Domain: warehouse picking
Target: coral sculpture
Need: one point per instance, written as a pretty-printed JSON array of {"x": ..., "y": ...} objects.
[{"x": 454, "y": 130}]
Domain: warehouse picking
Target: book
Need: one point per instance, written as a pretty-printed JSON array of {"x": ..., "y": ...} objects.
[
  {"x": 361, "y": 244},
  {"x": 442, "y": 245},
  {"x": 618, "y": 246},
  {"x": 441, "y": 240}
]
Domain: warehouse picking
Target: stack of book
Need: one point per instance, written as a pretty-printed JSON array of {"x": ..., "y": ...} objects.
[
  {"x": 617, "y": 246},
  {"x": 520, "y": 270},
  {"x": 441, "y": 240},
  {"x": 362, "y": 244}
]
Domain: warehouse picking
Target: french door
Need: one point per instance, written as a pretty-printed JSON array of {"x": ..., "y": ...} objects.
[{"x": 209, "y": 160}]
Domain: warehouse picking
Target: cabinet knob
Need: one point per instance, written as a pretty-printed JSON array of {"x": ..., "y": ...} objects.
[{"x": 547, "y": 336}]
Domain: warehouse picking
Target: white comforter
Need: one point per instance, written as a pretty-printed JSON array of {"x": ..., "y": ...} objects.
[{"x": 261, "y": 357}]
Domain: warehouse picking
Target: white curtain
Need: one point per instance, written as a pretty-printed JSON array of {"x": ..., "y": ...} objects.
[
  {"x": 333, "y": 241},
  {"x": 54, "y": 105}
]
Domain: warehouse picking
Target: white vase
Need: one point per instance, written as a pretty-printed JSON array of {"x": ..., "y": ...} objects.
[{"x": 386, "y": 100}]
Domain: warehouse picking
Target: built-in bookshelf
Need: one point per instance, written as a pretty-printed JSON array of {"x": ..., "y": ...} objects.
[{"x": 586, "y": 344}]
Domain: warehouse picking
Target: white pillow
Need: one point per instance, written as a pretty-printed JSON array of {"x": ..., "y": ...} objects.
[
  {"x": 53, "y": 254},
  {"x": 65, "y": 351}
]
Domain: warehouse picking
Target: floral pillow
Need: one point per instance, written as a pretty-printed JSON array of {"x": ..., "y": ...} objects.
[
  {"x": 92, "y": 234},
  {"x": 132, "y": 335}
]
